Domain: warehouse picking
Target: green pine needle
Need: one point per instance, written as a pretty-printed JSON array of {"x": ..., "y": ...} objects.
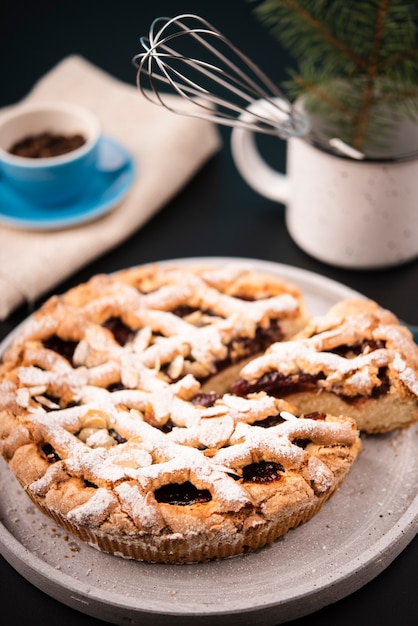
[{"x": 357, "y": 60}]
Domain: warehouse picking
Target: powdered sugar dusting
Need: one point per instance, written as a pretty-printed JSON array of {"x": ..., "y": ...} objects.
[
  {"x": 93, "y": 512},
  {"x": 407, "y": 375}
]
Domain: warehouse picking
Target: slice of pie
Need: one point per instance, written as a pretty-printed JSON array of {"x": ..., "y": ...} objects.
[{"x": 357, "y": 360}]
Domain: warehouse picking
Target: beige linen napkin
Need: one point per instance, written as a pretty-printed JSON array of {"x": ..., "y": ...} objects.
[{"x": 168, "y": 149}]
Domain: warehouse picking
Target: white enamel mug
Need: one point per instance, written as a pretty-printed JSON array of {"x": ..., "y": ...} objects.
[{"x": 358, "y": 214}]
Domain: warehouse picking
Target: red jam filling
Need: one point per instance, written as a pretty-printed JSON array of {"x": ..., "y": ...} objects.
[
  {"x": 63, "y": 347},
  {"x": 276, "y": 384},
  {"x": 268, "y": 422},
  {"x": 205, "y": 399},
  {"x": 49, "y": 453},
  {"x": 182, "y": 494},
  {"x": 121, "y": 331},
  {"x": 263, "y": 472}
]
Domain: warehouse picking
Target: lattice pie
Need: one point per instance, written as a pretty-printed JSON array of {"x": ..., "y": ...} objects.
[{"x": 108, "y": 419}]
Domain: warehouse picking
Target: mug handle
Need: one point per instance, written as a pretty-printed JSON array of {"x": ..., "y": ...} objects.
[{"x": 251, "y": 165}]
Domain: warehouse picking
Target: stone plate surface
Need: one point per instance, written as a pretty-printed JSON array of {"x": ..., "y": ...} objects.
[{"x": 355, "y": 536}]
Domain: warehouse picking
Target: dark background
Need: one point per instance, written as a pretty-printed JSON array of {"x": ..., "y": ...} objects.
[{"x": 217, "y": 214}]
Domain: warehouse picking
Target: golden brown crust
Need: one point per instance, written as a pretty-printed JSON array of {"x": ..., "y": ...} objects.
[{"x": 105, "y": 423}]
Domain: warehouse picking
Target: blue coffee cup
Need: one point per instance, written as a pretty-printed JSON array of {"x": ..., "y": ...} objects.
[{"x": 50, "y": 180}]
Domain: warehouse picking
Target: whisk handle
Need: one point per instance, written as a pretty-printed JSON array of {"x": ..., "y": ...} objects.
[{"x": 253, "y": 168}]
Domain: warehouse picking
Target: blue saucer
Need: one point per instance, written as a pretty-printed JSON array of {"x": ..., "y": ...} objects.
[{"x": 111, "y": 182}]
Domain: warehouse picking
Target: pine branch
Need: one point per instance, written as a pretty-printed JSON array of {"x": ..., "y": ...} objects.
[
  {"x": 325, "y": 32},
  {"x": 355, "y": 60},
  {"x": 371, "y": 72}
]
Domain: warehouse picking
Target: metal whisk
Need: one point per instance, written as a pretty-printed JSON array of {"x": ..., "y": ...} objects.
[{"x": 219, "y": 80}]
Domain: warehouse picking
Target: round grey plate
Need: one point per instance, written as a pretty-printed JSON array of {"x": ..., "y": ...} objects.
[{"x": 356, "y": 535}]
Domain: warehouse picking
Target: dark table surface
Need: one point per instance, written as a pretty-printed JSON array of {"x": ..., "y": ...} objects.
[{"x": 215, "y": 215}]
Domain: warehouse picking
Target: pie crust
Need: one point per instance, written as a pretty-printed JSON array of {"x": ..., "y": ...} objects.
[{"x": 108, "y": 422}]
